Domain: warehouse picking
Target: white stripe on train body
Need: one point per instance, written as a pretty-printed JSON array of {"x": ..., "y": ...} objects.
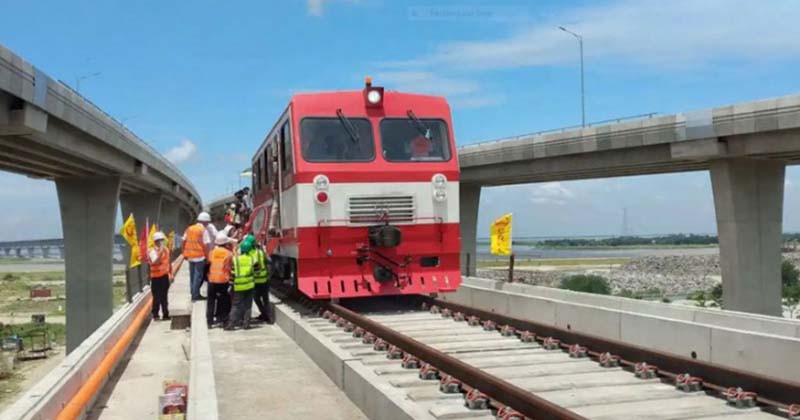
[{"x": 301, "y": 210}]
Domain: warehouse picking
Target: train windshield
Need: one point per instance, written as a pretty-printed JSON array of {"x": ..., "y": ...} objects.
[
  {"x": 330, "y": 140},
  {"x": 414, "y": 140}
]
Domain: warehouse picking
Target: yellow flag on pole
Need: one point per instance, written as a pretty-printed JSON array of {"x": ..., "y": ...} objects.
[
  {"x": 150, "y": 242},
  {"x": 171, "y": 240},
  {"x": 500, "y": 234},
  {"x": 128, "y": 232}
]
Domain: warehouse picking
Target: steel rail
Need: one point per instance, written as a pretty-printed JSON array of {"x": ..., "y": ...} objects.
[
  {"x": 521, "y": 400},
  {"x": 770, "y": 391}
]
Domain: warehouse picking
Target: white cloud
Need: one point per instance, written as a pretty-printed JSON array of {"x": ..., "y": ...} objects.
[
  {"x": 182, "y": 152},
  {"x": 461, "y": 92},
  {"x": 554, "y": 193},
  {"x": 315, "y": 7},
  {"x": 678, "y": 33}
]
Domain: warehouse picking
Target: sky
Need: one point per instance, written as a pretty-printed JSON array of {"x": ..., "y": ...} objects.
[{"x": 204, "y": 81}]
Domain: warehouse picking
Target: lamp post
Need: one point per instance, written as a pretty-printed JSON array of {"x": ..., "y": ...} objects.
[
  {"x": 84, "y": 77},
  {"x": 583, "y": 96}
]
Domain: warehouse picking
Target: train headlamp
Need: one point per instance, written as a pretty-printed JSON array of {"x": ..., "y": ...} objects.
[
  {"x": 321, "y": 183},
  {"x": 373, "y": 95},
  {"x": 439, "y": 182}
]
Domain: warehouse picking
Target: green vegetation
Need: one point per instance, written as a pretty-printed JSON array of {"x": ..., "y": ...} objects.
[
  {"x": 15, "y": 293},
  {"x": 54, "y": 330},
  {"x": 790, "y": 279},
  {"x": 627, "y": 241},
  {"x": 555, "y": 262},
  {"x": 588, "y": 283}
]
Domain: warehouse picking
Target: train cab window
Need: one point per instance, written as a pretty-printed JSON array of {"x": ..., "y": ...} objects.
[
  {"x": 286, "y": 158},
  {"x": 331, "y": 140},
  {"x": 270, "y": 152},
  {"x": 404, "y": 140}
]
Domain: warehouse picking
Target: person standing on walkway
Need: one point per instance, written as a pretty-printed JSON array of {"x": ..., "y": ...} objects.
[
  {"x": 261, "y": 279},
  {"x": 196, "y": 240},
  {"x": 218, "y": 305},
  {"x": 160, "y": 275},
  {"x": 243, "y": 285}
]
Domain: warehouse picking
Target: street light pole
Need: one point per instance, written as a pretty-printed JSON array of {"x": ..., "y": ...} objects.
[
  {"x": 84, "y": 77},
  {"x": 583, "y": 94}
]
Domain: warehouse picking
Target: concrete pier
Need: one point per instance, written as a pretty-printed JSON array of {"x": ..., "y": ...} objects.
[
  {"x": 748, "y": 198},
  {"x": 88, "y": 215},
  {"x": 470, "y": 196}
]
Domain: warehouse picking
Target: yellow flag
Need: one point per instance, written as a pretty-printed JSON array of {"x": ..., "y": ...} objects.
[
  {"x": 150, "y": 242},
  {"x": 500, "y": 233},
  {"x": 171, "y": 240},
  {"x": 128, "y": 232}
]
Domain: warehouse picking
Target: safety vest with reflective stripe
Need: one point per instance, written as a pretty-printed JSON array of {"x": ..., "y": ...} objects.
[
  {"x": 160, "y": 267},
  {"x": 243, "y": 273},
  {"x": 193, "y": 245},
  {"x": 261, "y": 274},
  {"x": 220, "y": 269}
]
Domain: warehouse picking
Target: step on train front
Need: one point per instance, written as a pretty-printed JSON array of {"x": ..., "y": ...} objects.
[{"x": 356, "y": 194}]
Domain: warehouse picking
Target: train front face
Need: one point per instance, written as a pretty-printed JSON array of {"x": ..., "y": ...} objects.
[{"x": 377, "y": 194}]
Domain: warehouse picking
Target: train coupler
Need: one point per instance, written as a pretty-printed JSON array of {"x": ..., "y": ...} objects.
[
  {"x": 577, "y": 351},
  {"x": 527, "y": 337},
  {"x": 551, "y": 343},
  {"x": 608, "y": 360},
  {"x": 688, "y": 383},
  {"x": 508, "y": 413},
  {"x": 740, "y": 398},
  {"x": 507, "y": 331},
  {"x": 644, "y": 371},
  {"x": 410, "y": 362},
  {"x": 449, "y": 385},
  {"x": 476, "y": 400},
  {"x": 394, "y": 352},
  {"x": 428, "y": 372}
]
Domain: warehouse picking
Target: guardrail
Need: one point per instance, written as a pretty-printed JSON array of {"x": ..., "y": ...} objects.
[{"x": 561, "y": 130}]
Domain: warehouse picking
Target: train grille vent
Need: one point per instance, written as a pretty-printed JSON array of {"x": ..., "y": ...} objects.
[{"x": 374, "y": 208}]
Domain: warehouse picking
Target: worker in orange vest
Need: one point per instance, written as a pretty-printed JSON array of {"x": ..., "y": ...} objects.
[
  {"x": 218, "y": 306},
  {"x": 196, "y": 242},
  {"x": 160, "y": 275}
]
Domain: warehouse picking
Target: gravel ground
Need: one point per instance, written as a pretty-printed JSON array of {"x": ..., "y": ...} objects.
[{"x": 671, "y": 275}]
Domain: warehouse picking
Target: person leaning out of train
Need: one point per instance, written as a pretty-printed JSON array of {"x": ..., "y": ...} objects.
[
  {"x": 160, "y": 275},
  {"x": 218, "y": 305},
  {"x": 260, "y": 278},
  {"x": 243, "y": 285},
  {"x": 196, "y": 241}
]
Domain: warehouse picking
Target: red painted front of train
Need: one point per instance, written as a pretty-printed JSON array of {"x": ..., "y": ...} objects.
[{"x": 368, "y": 201}]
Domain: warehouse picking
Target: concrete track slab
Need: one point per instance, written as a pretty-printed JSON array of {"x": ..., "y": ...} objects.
[
  {"x": 260, "y": 373},
  {"x": 160, "y": 354}
]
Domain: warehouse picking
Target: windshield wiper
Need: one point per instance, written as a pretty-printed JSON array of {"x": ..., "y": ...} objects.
[
  {"x": 348, "y": 126},
  {"x": 421, "y": 127}
]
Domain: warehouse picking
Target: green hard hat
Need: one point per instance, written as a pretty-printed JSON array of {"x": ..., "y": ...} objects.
[
  {"x": 250, "y": 239},
  {"x": 245, "y": 247}
]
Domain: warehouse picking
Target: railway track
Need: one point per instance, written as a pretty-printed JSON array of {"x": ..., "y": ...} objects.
[{"x": 468, "y": 363}]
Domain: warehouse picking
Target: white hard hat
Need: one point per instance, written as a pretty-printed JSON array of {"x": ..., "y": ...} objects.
[
  {"x": 203, "y": 217},
  {"x": 233, "y": 205},
  {"x": 222, "y": 239},
  {"x": 159, "y": 236}
]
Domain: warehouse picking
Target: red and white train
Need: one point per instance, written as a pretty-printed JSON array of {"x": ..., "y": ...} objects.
[{"x": 367, "y": 194}]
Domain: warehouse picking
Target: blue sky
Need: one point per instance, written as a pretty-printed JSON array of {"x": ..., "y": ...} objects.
[{"x": 204, "y": 81}]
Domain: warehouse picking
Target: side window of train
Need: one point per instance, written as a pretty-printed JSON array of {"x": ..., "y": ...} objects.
[
  {"x": 256, "y": 176},
  {"x": 267, "y": 165},
  {"x": 259, "y": 220},
  {"x": 270, "y": 167},
  {"x": 286, "y": 138}
]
